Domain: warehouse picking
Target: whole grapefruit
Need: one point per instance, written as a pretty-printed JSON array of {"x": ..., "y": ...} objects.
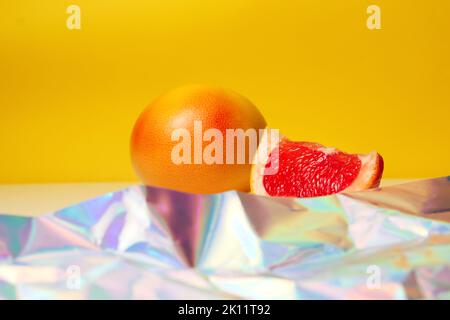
[{"x": 152, "y": 141}]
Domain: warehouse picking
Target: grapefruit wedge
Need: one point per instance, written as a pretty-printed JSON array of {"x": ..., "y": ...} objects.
[{"x": 287, "y": 168}]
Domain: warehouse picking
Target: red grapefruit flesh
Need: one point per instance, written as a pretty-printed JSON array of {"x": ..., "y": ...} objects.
[{"x": 306, "y": 169}]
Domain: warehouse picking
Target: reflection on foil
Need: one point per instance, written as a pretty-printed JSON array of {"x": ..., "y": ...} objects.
[{"x": 151, "y": 243}]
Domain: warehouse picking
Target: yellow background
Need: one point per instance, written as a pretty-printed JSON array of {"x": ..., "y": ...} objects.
[{"x": 69, "y": 98}]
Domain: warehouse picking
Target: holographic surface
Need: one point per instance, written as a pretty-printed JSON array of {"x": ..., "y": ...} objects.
[{"x": 151, "y": 243}]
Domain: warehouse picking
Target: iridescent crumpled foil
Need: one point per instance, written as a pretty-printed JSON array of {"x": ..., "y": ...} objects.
[{"x": 150, "y": 243}]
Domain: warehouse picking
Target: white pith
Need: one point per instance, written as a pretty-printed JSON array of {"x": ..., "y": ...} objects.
[
  {"x": 327, "y": 150},
  {"x": 259, "y": 164},
  {"x": 366, "y": 173}
]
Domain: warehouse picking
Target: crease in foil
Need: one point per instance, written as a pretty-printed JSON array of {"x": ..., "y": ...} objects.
[{"x": 152, "y": 243}]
